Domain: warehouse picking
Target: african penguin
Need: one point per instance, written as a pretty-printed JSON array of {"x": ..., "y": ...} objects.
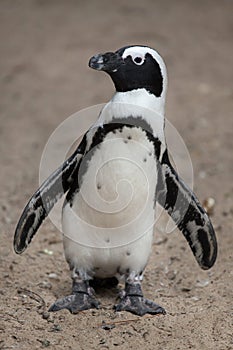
[{"x": 112, "y": 182}]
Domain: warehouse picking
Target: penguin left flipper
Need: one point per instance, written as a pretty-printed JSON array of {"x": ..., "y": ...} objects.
[
  {"x": 44, "y": 199},
  {"x": 188, "y": 214}
]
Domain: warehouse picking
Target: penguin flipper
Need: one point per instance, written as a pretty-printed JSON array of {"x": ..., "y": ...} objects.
[
  {"x": 43, "y": 200},
  {"x": 186, "y": 211}
]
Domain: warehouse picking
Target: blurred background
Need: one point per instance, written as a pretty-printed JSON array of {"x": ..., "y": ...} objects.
[{"x": 45, "y": 46}]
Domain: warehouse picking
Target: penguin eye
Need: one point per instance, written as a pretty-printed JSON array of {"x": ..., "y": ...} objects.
[{"x": 138, "y": 60}]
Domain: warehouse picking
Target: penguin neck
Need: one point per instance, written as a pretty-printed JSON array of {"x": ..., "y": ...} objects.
[
  {"x": 136, "y": 104},
  {"x": 140, "y": 98}
]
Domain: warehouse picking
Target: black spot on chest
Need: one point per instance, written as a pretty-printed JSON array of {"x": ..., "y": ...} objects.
[{"x": 118, "y": 124}]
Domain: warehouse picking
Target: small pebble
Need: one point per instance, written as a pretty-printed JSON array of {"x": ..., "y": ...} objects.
[
  {"x": 171, "y": 275},
  {"x": 208, "y": 205},
  {"x": 56, "y": 328},
  {"x": 53, "y": 276},
  {"x": 47, "y": 251},
  {"x": 45, "y": 285},
  {"x": 194, "y": 298},
  {"x": 45, "y": 315},
  {"x": 146, "y": 336},
  {"x": 202, "y": 283},
  {"x": 45, "y": 343}
]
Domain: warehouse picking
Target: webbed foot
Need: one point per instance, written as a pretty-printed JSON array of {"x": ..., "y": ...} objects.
[
  {"x": 80, "y": 299},
  {"x": 75, "y": 303},
  {"x": 133, "y": 301}
]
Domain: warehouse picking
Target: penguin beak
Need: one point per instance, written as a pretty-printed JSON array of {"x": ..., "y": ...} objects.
[{"x": 108, "y": 62}]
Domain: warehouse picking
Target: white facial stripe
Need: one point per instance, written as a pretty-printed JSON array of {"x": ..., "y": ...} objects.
[
  {"x": 138, "y": 57},
  {"x": 141, "y": 51}
]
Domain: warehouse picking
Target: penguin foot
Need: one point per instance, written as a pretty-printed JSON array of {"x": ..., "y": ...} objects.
[
  {"x": 82, "y": 298},
  {"x": 132, "y": 300},
  {"x": 75, "y": 303},
  {"x": 139, "y": 306}
]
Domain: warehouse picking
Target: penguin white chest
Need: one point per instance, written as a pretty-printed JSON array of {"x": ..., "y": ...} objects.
[{"x": 112, "y": 215}]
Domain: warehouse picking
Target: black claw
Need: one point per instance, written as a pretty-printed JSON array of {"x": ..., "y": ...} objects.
[{"x": 75, "y": 303}]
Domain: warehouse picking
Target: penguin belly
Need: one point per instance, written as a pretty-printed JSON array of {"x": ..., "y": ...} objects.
[{"x": 108, "y": 225}]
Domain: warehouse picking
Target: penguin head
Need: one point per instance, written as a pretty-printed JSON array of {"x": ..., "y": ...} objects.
[{"x": 134, "y": 67}]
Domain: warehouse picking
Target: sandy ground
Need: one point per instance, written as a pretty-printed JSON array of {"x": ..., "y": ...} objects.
[{"x": 45, "y": 47}]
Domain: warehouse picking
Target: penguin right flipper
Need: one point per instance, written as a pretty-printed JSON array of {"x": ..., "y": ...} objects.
[
  {"x": 186, "y": 211},
  {"x": 44, "y": 199}
]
